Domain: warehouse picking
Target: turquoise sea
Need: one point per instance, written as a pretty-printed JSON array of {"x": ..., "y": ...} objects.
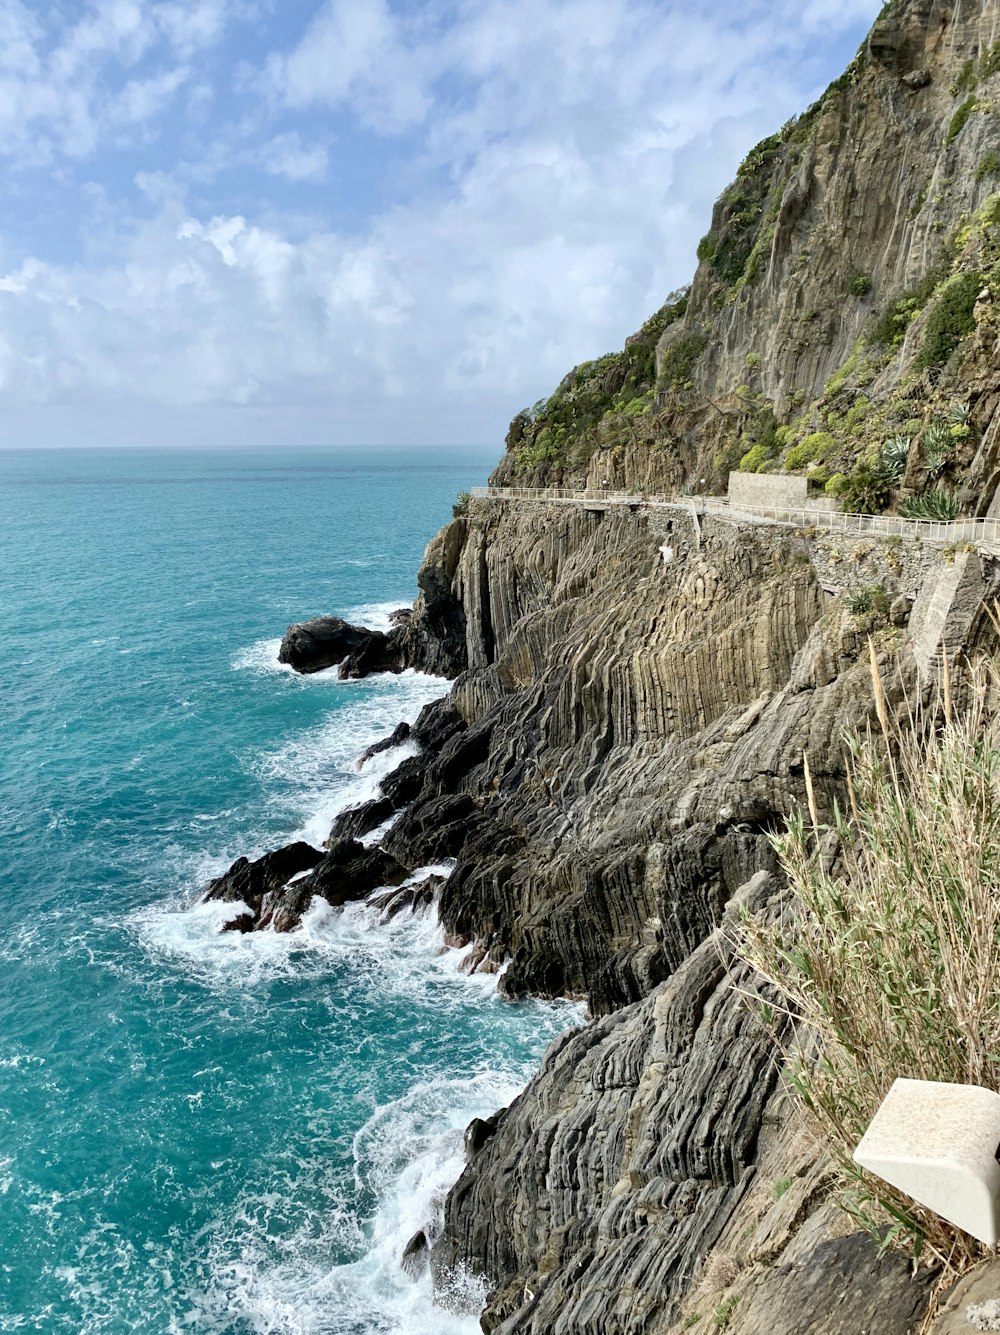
[{"x": 206, "y": 1132}]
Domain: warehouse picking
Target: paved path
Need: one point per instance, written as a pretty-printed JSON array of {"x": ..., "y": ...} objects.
[{"x": 982, "y": 532}]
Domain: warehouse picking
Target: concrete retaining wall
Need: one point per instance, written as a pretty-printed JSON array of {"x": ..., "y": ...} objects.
[{"x": 768, "y": 489}]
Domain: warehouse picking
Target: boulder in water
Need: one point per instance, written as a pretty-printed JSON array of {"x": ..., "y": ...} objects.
[{"x": 311, "y": 646}]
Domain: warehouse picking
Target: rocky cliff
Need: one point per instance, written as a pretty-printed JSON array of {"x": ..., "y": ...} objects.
[
  {"x": 635, "y": 690},
  {"x": 834, "y": 305}
]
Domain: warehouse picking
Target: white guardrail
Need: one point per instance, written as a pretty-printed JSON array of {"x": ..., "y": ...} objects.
[{"x": 980, "y": 531}]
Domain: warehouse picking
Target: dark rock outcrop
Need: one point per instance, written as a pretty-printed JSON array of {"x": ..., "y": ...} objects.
[
  {"x": 347, "y": 871},
  {"x": 311, "y": 646},
  {"x": 414, "y": 898},
  {"x": 249, "y": 882},
  {"x": 625, "y": 1157},
  {"x": 430, "y": 637},
  {"x": 399, "y": 735}
]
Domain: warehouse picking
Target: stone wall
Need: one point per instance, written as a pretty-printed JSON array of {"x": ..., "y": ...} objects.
[
  {"x": 768, "y": 489},
  {"x": 852, "y": 561}
]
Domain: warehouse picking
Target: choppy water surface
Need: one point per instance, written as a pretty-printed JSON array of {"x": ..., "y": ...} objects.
[{"x": 207, "y": 1132}]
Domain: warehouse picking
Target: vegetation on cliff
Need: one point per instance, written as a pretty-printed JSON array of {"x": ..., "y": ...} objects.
[
  {"x": 598, "y": 401},
  {"x": 890, "y": 953}
]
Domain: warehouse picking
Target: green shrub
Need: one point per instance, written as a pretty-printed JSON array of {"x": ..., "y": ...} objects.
[
  {"x": 938, "y": 504},
  {"x": 858, "y": 413},
  {"x": 989, "y": 165},
  {"x": 807, "y": 451},
  {"x": 863, "y": 490},
  {"x": 989, "y": 61},
  {"x": 639, "y": 405},
  {"x": 966, "y": 80},
  {"x": 755, "y": 460},
  {"x": 950, "y": 319},
  {"x": 859, "y": 285},
  {"x": 724, "y": 1311},
  {"x": 835, "y": 484},
  {"x": 958, "y": 121},
  {"x": 679, "y": 359},
  {"x": 893, "y": 960},
  {"x": 461, "y": 505},
  {"x": 890, "y": 327}
]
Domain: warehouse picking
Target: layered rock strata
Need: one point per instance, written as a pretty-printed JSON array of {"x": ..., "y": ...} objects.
[{"x": 624, "y": 733}]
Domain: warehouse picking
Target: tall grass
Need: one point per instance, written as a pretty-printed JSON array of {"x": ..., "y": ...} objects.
[{"x": 890, "y": 951}]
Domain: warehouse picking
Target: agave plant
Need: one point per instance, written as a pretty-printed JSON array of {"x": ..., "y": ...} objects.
[
  {"x": 958, "y": 414},
  {"x": 892, "y": 459},
  {"x": 937, "y": 447},
  {"x": 937, "y": 504}
]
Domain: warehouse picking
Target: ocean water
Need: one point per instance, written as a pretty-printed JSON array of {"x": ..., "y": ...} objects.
[{"x": 200, "y": 1131}]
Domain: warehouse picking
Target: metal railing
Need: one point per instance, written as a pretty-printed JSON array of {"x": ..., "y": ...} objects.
[{"x": 979, "y": 531}]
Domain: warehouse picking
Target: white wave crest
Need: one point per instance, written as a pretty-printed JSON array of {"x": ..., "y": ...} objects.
[
  {"x": 261, "y": 657},
  {"x": 375, "y": 615}
]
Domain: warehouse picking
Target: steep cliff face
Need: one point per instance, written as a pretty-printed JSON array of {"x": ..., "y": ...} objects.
[
  {"x": 634, "y": 729},
  {"x": 635, "y": 726},
  {"x": 841, "y": 266}
]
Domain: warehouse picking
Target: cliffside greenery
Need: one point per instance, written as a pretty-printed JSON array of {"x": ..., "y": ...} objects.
[
  {"x": 598, "y": 400},
  {"x": 891, "y": 953}
]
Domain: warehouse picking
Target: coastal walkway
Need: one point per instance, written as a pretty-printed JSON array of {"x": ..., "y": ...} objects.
[{"x": 983, "y": 533}]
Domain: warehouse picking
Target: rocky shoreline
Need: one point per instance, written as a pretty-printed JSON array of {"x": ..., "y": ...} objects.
[
  {"x": 625, "y": 732},
  {"x": 619, "y": 741}
]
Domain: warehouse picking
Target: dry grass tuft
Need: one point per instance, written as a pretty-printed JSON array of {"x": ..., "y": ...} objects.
[{"x": 893, "y": 958}]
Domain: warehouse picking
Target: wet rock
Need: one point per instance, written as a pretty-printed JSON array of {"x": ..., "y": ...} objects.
[
  {"x": 348, "y": 871},
  {"x": 405, "y": 781},
  {"x": 416, "y": 1255},
  {"x": 359, "y": 821},
  {"x": 249, "y": 882},
  {"x": 412, "y": 898},
  {"x": 397, "y": 737},
  {"x": 311, "y": 646},
  {"x": 436, "y": 829},
  {"x": 478, "y": 1132},
  {"x": 436, "y": 724}
]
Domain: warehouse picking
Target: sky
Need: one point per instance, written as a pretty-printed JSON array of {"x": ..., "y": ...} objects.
[{"x": 317, "y": 222}]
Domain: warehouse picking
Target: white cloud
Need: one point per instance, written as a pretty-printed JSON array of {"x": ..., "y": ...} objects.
[
  {"x": 356, "y": 52},
  {"x": 287, "y": 155},
  {"x": 559, "y": 162},
  {"x": 68, "y": 87}
]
